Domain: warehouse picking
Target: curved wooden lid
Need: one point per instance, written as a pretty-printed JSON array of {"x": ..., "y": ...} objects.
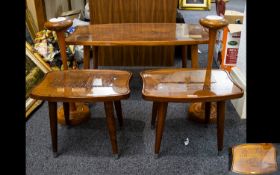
[
  {"x": 213, "y": 23},
  {"x": 58, "y": 26}
]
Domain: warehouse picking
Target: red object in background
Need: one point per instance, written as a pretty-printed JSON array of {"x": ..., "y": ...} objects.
[
  {"x": 231, "y": 57},
  {"x": 220, "y": 7}
]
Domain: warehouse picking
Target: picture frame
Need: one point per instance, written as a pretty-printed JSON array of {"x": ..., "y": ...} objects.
[
  {"x": 35, "y": 70},
  {"x": 30, "y": 24},
  {"x": 195, "y": 4}
]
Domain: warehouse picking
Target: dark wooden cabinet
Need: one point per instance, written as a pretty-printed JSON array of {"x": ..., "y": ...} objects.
[{"x": 134, "y": 11}]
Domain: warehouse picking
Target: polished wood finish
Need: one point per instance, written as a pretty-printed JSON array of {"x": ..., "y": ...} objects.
[
  {"x": 111, "y": 124},
  {"x": 251, "y": 158},
  {"x": 53, "y": 124},
  {"x": 184, "y": 56},
  {"x": 154, "y": 114},
  {"x": 157, "y": 11},
  {"x": 115, "y": 11},
  {"x": 86, "y": 57},
  {"x": 188, "y": 85},
  {"x": 213, "y": 26},
  {"x": 59, "y": 26},
  {"x": 220, "y": 124},
  {"x": 83, "y": 86},
  {"x": 66, "y": 113},
  {"x": 162, "y": 109},
  {"x": 138, "y": 34},
  {"x": 83, "y": 114},
  {"x": 107, "y": 86},
  {"x": 95, "y": 58},
  {"x": 192, "y": 85},
  {"x": 134, "y": 11},
  {"x": 118, "y": 107},
  {"x": 196, "y": 112},
  {"x": 78, "y": 115},
  {"x": 194, "y": 56}
]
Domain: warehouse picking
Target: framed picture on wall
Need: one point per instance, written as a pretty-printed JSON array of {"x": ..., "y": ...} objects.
[
  {"x": 35, "y": 69},
  {"x": 195, "y": 4}
]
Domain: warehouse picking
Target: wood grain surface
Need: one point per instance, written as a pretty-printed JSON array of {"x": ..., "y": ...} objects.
[
  {"x": 83, "y": 86},
  {"x": 134, "y": 11}
]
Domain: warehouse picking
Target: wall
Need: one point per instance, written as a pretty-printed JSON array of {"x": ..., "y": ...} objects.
[
  {"x": 239, "y": 72},
  {"x": 55, "y": 7},
  {"x": 241, "y": 64}
]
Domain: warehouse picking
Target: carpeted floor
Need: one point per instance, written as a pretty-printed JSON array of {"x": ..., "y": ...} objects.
[{"x": 86, "y": 149}]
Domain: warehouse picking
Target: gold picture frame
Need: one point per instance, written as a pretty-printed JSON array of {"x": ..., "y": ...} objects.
[
  {"x": 195, "y": 4},
  {"x": 36, "y": 68},
  {"x": 30, "y": 24}
]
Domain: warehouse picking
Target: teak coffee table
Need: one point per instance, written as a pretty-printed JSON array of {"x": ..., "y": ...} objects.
[
  {"x": 108, "y": 86},
  {"x": 139, "y": 34}
]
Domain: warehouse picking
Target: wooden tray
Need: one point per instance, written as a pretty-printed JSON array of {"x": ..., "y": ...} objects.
[{"x": 254, "y": 158}]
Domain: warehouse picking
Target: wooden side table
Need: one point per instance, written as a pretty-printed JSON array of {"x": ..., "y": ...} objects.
[
  {"x": 108, "y": 86},
  {"x": 191, "y": 85},
  {"x": 188, "y": 86}
]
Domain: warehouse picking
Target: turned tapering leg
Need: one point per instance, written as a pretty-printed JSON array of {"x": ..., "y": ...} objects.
[
  {"x": 184, "y": 56},
  {"x": 95, "y": 64},
  {"x": 53, "y": 125},
  {"x": 154, "y": 114},
  {"x": 66, "y": 113},
  {"x": 111, "y": 124},
  {"x": 220, "y": 124},
  {"x": 118, "y": 108},
  {"x": 162, "y": 108},
  {"x": 86, "y": 57},
  {"x": 194, "y": 56}
]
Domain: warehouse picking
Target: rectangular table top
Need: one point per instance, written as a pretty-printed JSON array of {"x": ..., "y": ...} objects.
[
  {"x": 83, "y": 86},
  {"x": 138, "y": 34},
  {"x": 188, "y": 85}
]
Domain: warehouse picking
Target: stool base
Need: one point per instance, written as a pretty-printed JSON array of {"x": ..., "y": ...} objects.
[
  {"x": 77, "y": 117},
  {"x": 196, "y": 112}
]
